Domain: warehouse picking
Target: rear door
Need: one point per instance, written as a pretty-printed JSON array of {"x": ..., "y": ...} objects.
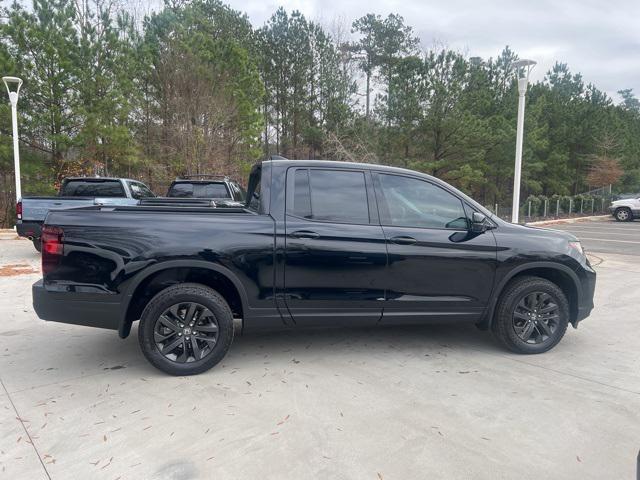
[
  {"x": 437, "y": 269},
  {"x": 335, "y": 253}
]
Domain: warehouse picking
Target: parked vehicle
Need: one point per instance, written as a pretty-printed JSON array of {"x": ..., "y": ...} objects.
[
  {"x": 318, "y": 243},
  {"x": 76, "y": 192},
  {"x": 625, "y": 210},
  {"x": 220, "y": 188}
]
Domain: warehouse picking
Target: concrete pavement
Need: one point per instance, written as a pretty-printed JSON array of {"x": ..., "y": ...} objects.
[
  {"x": 605, "y": 235},
  {"x": 437, "y": 402}
]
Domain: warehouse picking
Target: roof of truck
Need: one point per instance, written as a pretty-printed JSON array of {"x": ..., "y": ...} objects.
[
  {"x": 337, "y": 164},
  {"x": 98, "y": 179}
]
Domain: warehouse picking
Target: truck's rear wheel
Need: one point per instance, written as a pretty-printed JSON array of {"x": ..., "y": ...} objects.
[
  {"x": 623, "y": 214},
  {"x": 186, "y": 329},
  {"x": 531, "y": 316},
  {"x": 37, "y": 244}
]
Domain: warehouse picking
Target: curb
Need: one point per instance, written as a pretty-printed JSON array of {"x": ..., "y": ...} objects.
[{"x": 568, "y": 220}]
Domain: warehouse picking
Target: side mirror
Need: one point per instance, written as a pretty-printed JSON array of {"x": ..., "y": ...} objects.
[{"x": 479, "y": 223}]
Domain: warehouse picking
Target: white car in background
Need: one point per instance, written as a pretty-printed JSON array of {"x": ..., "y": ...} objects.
[{"x": 625, "y": 210}]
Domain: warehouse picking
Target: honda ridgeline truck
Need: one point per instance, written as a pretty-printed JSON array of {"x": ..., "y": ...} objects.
[{"x": 318, "y": 243}]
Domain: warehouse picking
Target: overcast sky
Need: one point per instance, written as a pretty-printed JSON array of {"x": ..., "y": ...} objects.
[{"x": 600, "y": 39}]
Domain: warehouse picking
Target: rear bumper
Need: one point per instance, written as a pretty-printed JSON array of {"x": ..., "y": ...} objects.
[
  {"x": 75, "y": 308},
  {"x": 29, "y": 229}
]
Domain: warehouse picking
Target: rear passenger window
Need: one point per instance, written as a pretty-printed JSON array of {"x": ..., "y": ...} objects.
[{"x": 330, "y": 196}]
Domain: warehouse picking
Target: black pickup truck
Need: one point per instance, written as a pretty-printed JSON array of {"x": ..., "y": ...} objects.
[{"x": 318, "y": 243}]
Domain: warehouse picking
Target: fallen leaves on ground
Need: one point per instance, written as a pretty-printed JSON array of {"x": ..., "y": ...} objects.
[{"x": 15, "y": 269}]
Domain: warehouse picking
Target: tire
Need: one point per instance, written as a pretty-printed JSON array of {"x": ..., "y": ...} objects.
[
  {"x": 623, "y": 215},
  {"x": 37, "y": 244},
  {"x": 162, "y": 322},
  {"x": 527, "y": 305}
]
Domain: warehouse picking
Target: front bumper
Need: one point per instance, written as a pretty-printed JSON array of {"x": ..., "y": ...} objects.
[
  {"x": 588, "y": 286},
  {"x": 75, "y": 308}
]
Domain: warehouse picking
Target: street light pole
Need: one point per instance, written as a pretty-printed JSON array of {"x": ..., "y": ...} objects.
[
  {"x": 13, "y": 98},
  {"x": 522, "y": 90}
]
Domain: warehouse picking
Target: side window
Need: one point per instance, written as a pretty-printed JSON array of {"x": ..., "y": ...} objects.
[
  {"x": 330, "y": 196},
  {"x": 238, "y": 192},
  {"x": 140, "y": 190},
  {"x": 301, "y": 194},
  {"x": 411, "y": 202}
]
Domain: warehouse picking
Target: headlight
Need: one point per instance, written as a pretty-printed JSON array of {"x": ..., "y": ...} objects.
[{"x": 577, "y": 246}]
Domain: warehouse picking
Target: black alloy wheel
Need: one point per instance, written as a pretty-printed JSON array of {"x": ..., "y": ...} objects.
[
  {"x": 536, "y": 317},
  {"x": 186, "y": 329},
  {"x": 531, "y": 316},
  {"x": 186, "y": 332}
]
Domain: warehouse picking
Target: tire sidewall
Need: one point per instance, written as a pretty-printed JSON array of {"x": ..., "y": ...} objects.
[
  {"x": 507, "y": 307},
  {"x": 179, "y": 294}
]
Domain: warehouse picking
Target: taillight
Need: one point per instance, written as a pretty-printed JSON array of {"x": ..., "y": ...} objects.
[
  {"x": 52, "y": 247},
  {"x": 19, "y": 210}
]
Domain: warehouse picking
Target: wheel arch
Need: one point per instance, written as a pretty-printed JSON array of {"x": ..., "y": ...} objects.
[
  {"x": 160, "y": 276},
  {"x": 561, "y": 275}
]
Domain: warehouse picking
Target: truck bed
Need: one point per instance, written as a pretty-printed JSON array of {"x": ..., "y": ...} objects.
[{"x": 35, "y": 209}]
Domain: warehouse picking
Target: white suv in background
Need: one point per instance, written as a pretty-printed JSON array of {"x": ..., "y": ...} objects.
[{"x": 627, "y": 209}]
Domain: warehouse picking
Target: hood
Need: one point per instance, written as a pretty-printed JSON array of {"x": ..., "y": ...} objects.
[{"x": 531, "y": 230}]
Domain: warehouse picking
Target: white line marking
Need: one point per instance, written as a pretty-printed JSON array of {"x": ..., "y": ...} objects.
[
  {"x": 608, "y": 240},
  {"x": 606, "y": 229},
  {"x": 600, "y": 231}
]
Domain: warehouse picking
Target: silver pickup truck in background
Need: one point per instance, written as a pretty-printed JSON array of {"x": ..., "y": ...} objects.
[{"x": 76, "y": 192}]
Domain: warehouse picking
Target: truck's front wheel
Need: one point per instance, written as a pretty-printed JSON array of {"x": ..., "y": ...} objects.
[
  {"x": 531, "y": 316},
  {"x": 186, "y": 329}
]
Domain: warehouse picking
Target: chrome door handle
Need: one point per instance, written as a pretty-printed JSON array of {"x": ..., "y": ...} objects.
[{"x": 403, "y": 240}]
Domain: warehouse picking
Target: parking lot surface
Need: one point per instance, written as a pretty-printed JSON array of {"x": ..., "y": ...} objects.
[
  {"x": 436, "y": 402},
  {"x": 605, "y": 235}
]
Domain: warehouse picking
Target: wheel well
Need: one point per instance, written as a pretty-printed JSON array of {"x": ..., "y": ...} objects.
[
  {"x": 158, "y": 281},
  {"x": 624, "y": 207},
  {"x": 560, "y": 278}
]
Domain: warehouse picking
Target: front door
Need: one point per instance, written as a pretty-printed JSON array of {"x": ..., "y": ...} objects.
[
  {"x": 335, "y": 256},
  {"x": 437, "y": 268}
]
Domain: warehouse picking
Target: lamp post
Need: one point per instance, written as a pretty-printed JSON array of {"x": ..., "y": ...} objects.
[
  {"x": 13, "y": 98},
  {"x": 523, "y": 80}
]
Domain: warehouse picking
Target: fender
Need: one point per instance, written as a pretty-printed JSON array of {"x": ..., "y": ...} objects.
[
  {"x": 169, "y": 264},
  {"x": 488, "y": 315}
]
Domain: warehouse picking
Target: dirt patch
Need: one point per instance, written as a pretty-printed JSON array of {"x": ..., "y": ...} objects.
[{"x": 17, "y": 269}]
